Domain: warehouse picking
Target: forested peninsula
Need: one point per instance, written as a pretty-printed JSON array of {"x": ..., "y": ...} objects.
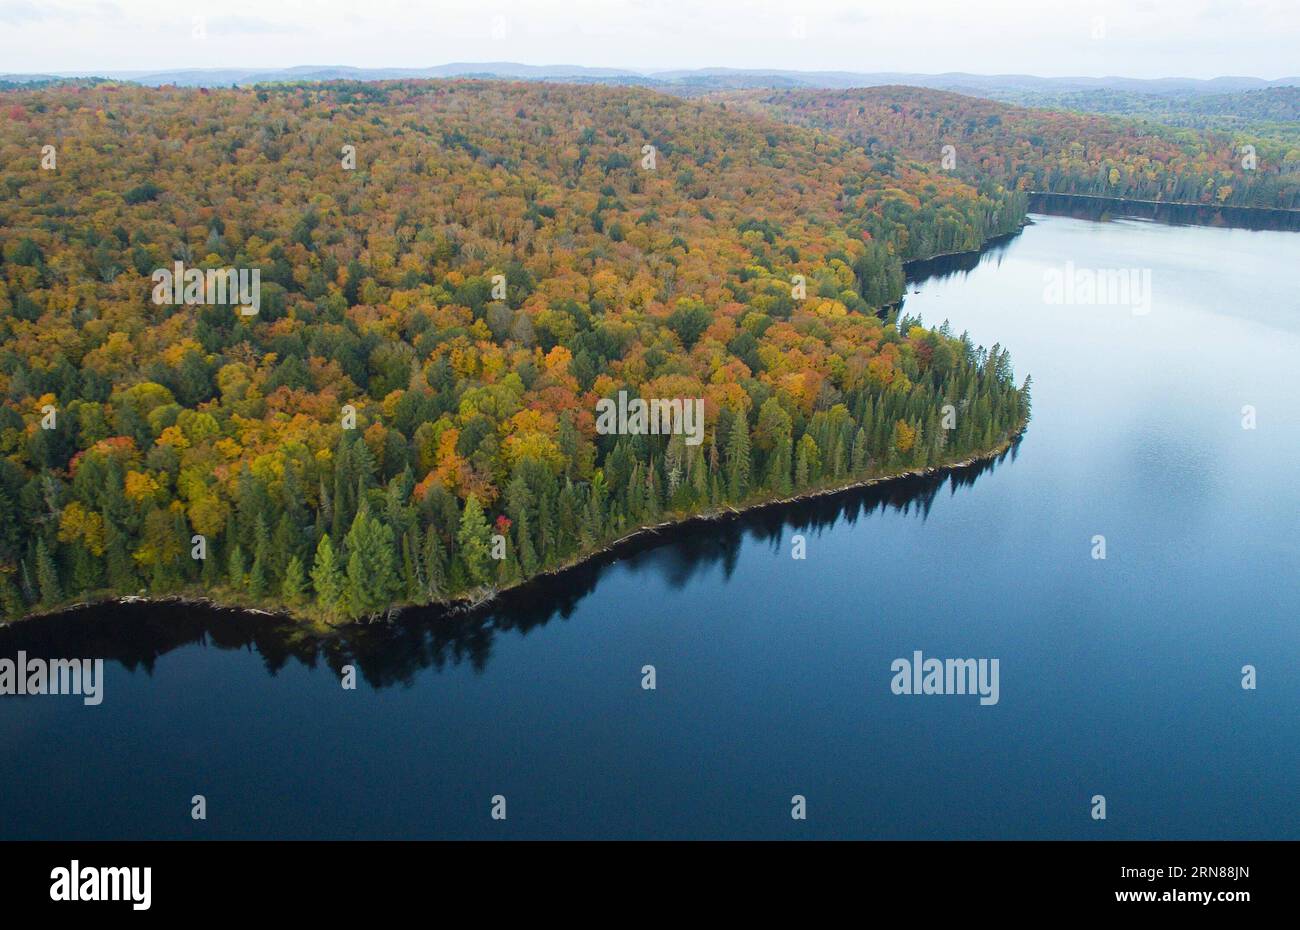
[{"x": 452, "y": 275}]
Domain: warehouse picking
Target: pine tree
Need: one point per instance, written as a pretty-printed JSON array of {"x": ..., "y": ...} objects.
[
  {"x": 158, "y": 578},
  {"x": 187, "y": 568},
  {"x": 519, "y": 502},
  {"x": 807, "y": 463},
  {"x": 284, "y": 546},
  {"x": 524, "y": 546},
  {"x": 435, "y": 565},
  {"x": 474, "y": 540},
  {"x": 211, "y": 573},
  {"x": 699, "y": 472},
  {"x": 412, "y": 575},
  {"x": 372, "y": 578},
  {"x": 292, "y": 585},
  {"x": 589, "y": 526},
  {"x": 121, "y": 570},
  {"x": 567, "y": 519},
  {"x": 47, "y": 575},
  {"x": 738, "y": 460},
  {"x": 634, "y": 498},
  {"x": 11, "y": 602},
  {"x": 261, "y": 558},
  {"x": 25, "y": 581},
  {"x": 546, "y": 544},
  {"x": 653, "y": 498},
  {"x": 85, "y": 569},
  {"x": 326, "y": 578},
  {"x": 257, "y": 577},
  {"x": 859, "y": 458},
  {"x": 235, "y": 567}
]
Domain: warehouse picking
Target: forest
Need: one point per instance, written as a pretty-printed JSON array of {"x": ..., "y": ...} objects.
[
  {"x": 453, "y": 274},
  {"x": 1271, "y": 112},
  {"x": 1053, "y": 151}
]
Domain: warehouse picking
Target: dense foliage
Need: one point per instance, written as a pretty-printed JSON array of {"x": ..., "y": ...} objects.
[
  {"x": 129, "y": 428},
  {"x": 1050, "y": 150}
]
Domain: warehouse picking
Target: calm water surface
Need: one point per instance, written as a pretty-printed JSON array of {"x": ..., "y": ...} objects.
[{"x": 1119, "y": 677}]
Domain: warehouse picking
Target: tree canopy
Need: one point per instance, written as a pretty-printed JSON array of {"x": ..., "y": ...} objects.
[{"x": 410, "y": 415}]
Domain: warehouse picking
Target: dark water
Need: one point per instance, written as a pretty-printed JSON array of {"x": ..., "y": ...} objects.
[
  {"x": 1089, "y": 207},
  {"x": 1119, "y": 677}
]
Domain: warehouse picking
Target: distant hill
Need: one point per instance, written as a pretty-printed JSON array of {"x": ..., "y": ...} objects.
[
  {"x": 997, "y": 85},
  {"x": 1269, "y": 112},
  {"x": 1054, "y": 151}
]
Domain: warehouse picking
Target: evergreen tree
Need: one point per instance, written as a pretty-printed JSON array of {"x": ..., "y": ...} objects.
[
  {"x": 738, "y": 460},
  {"x": 284, "y": 546},
  {"x": 47, "y": 575},
  {"x": 235, "y": 569},
  {"x": 11, "y": 602},
  {"x": 435, "y": 565},
  {"x": 858, "y": 461},
  {"x": 85, "y": 569},
  {"x": 292, "y": 586},
  {"x": 372, "y": 579},
  {"x": 117, "y": 558},
  {"x": 805, "y": 463},
  {"x": 326, "y": 578},
  {"x": 257, "y": 577},
  {"x": 211, "y": 573},
  {"x": 475, "y": 542}
]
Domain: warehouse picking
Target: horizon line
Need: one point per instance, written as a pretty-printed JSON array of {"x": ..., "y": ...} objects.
[{"x": 611, "y": 71}]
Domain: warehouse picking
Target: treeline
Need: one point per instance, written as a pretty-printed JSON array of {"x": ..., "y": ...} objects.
[{"x": 410, "y": 416}]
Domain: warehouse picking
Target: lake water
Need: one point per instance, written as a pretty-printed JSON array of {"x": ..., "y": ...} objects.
[{"x": 1119, "y": 677}]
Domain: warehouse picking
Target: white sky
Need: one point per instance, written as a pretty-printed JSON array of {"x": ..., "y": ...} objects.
[{"x": 1142, "y": 38}]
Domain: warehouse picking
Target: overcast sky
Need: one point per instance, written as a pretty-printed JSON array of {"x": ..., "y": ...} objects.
[{"x": 1135, "y": 38}]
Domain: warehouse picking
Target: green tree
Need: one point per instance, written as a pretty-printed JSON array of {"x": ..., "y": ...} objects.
[
  {"x": 738, "y": 459},
  {"x": 11, "y": 602},
  {"x": 689, "y": 321},
  {"x": 859, "y": 456},
  {"x": 292, "y": 586},
  {"x": 372, "y": 577},
  {"x": 257, "y": 577},
  {"x": 434, "y": 560},
  {"x": 772, "y": 435},
  {"x": 236, "y": 567},
  {"x": 326, "y": 578},
  {"x": 47, "y": 575},
  {"x": 807, "y": 462},
  {"x": 475, "y": 542}
]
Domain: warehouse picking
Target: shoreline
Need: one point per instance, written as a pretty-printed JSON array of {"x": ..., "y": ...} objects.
[
  {"x": 483, "y": 596},
  {"x": 1169, "y": 203},
  {"x": 991, "y": 241},
  {"x": 1167, "y": 212}
]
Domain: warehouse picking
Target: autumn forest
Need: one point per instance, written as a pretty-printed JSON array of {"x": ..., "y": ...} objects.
[{"x": 453, "y": 274}]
